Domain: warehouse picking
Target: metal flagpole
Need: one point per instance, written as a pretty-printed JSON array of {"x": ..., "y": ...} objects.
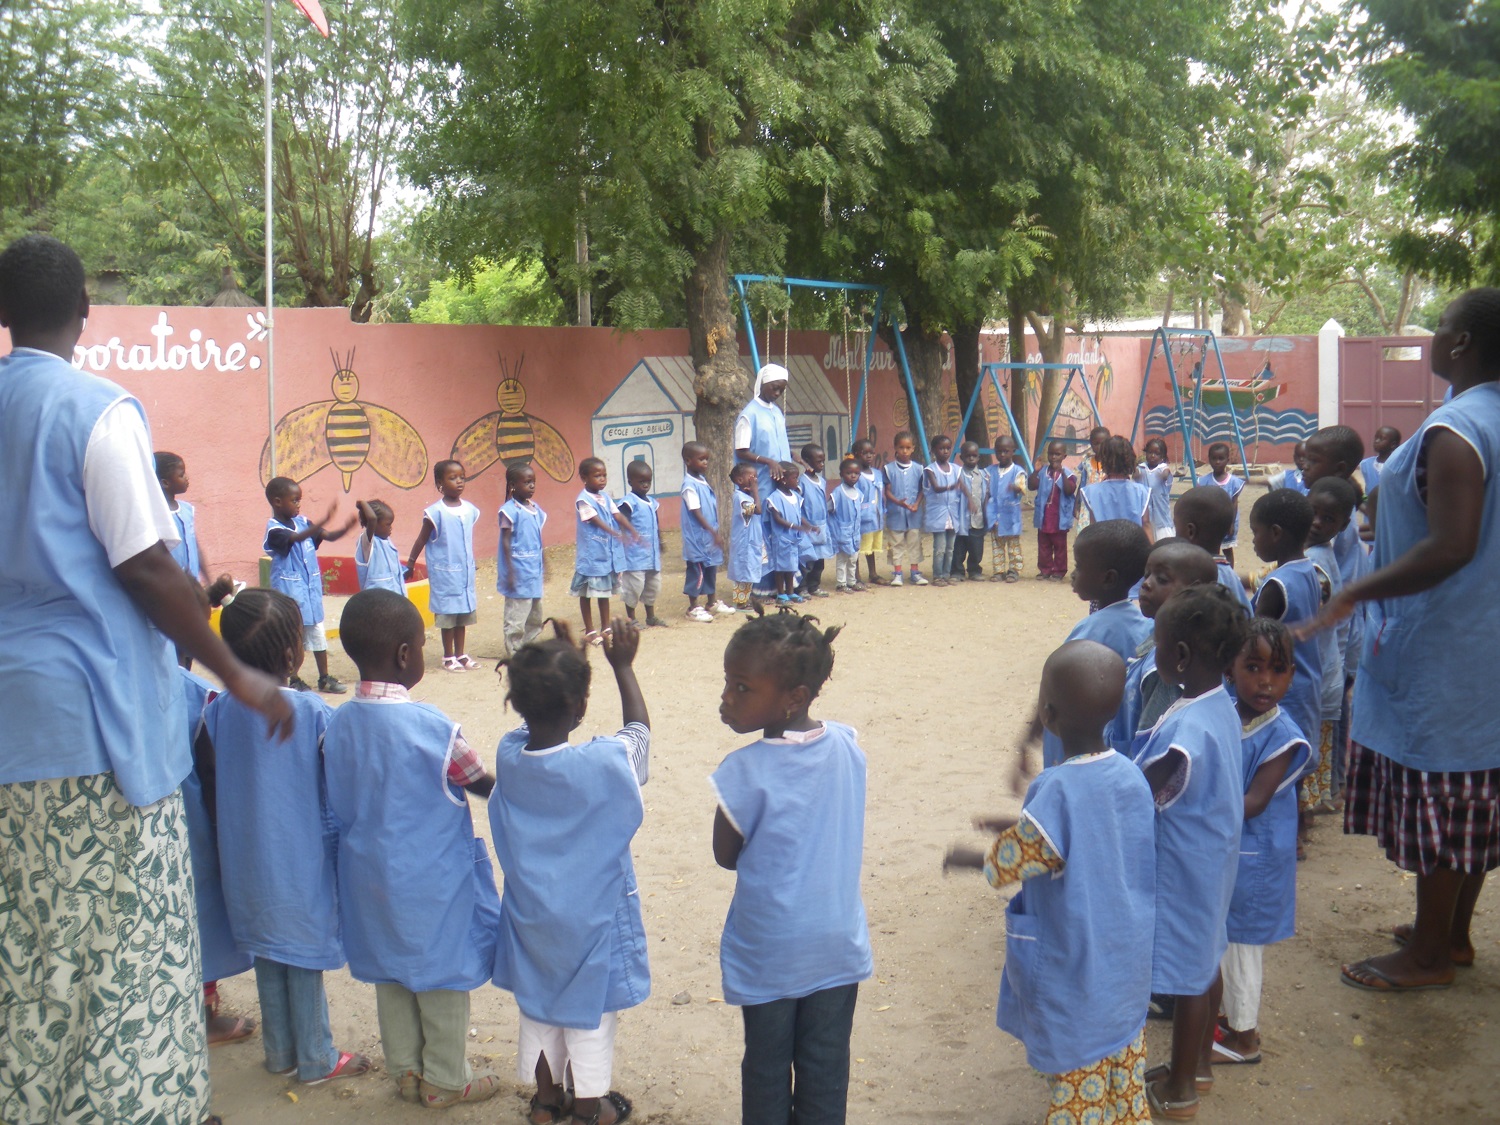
[{"x": 270, "y": 256}]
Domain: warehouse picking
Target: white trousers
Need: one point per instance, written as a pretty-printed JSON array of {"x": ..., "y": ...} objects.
[
  {"x": 591, "y": 1054},
  {"x": 1244, "y": 973}
]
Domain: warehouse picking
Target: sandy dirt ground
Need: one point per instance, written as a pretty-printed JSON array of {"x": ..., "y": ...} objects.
[{"x": 938, "y": 682}]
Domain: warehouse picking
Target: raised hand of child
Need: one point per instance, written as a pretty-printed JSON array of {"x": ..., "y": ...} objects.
[
  {"x": 1022, "y": 772},
  {"x": 971, "y": 858},
  {"x": 621, "y": 642}
]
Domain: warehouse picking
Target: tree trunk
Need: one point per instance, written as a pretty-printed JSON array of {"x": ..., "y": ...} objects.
[
  {"x": 721, "y": 384},
  {"x": 1236, "y": 317},
  {"x": 924, "y": 355},
  {"x": 1019, "y": 404},
  {"x": 1052, "y": 338},
  {"x": 966, "y": 378}
]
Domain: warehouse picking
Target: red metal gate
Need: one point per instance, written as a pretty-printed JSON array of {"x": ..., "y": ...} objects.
[{"x": 1386, "y": 381}]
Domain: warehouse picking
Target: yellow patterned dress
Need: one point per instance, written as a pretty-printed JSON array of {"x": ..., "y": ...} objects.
[{"x": 1111, "y": 1091}]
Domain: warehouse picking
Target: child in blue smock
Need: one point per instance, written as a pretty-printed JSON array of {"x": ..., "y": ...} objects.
[
  {"x": 1156, "y": 475},
  {"x": 791, "y": 822},
  {"x": 968, "y": 546},
  {"x": 817, "y": 545},
  {"x": 601, "y": 533},
  {"x": 1385, "y": 440},
  {"x": 872, "y": 513},
  {"x": 1002, "y": 513},
  {"x": 1292, "y": 478},
  {"x": 1056, "y": 488},
  {"x": 1115, "y": 496},
  {"x": 747, "y": 535},
  {"x": 571, "y": 946},
  {"x": 1333, "y": 502},
  {"x": 1078, "y": 934},
  {"x": 376, "y": 560},
  {"x": 518, "y": 563},
  {"x": 448, "y": 536},
  {"x": 415, "y": 890},
  {"x": 1274, "y": 755},
  {"x": 277, "y": 843},
  {"x": 845, "y": 505},
  {"x": 1191, "y": 758},
  {"x": 945, "y": 507},
  {"x": 702, "y": 545},
  {"x": 292, "y": 542},
  {"x": 1108, "y": 559},
  {"x": 784, "y": 532},
  {"x": 1232, "y": 484},
  {"x": 900, "y": 483},
  {"x": 171, "y": 473},
  {"x": 640, "y": 580},
  {"x": 1203, "y": 516}
]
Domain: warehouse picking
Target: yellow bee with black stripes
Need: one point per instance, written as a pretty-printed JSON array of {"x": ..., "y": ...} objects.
[
  {"x": 347, "y": 434},
  {"x": 511, "y": 436}
]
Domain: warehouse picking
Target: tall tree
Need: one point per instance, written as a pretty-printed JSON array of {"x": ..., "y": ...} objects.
[
  {"x": 664, "y": 130},
  {"x": 1439, "y": 60}
]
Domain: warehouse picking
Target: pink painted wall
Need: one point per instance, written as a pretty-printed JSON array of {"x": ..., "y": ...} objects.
[{"x": 417, "y": 393}]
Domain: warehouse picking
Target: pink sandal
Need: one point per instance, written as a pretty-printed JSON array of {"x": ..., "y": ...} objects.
[{"x": 349, "y": 1066}]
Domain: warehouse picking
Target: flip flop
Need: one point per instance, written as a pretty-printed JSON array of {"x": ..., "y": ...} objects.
[
  {"x": 239, "y": 1028},
  {"x": 350, "y": 1065},
  {"x": 1385, "y": 983},
  {"x": 1401, "y": 935},
  {"x": 1162, "y": 1070},
  {"x": 1172, "y": 1111},
  {"x": 1225, "y": 1056}
]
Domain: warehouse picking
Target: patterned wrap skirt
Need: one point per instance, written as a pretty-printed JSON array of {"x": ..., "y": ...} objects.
[
  {"x": 1423, "y": 820},
  {"x": 101, "y": 988}
]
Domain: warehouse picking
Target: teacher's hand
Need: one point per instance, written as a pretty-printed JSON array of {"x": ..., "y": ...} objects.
[
  {"x": 260, "y": 692},
  {"x": 775, "y": 467}
]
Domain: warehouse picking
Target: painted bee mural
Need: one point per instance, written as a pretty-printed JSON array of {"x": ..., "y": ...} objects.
[
  {"x": 347, "y": 434},
  {"x": 511, "y": 436}
]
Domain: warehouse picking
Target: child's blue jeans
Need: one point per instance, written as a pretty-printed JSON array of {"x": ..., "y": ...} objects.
[
  {"x": 796, "y": 1064},
  {"x": 942, "y": 552},
  {"x": 294, "y": 1020}
]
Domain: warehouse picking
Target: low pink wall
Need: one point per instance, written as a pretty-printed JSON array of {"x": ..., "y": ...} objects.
[{"x": 364, "y": 411}]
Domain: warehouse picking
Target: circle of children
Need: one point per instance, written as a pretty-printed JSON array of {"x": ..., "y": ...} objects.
[{"x": 1159, "y": 905}]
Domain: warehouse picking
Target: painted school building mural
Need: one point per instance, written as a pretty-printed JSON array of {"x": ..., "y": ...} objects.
[{"x": 365, "y": 411}]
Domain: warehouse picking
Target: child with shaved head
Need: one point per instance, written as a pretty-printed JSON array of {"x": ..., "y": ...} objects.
[
  {"x": 1077, "y": 974},
  {"x": 1204, "y": 516}
]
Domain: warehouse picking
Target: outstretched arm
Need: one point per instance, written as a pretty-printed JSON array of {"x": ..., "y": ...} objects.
[{"x": 418, "y": 547}]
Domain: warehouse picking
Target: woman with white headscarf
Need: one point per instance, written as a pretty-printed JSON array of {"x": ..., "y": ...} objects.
[{"x": 760, "y": 430}]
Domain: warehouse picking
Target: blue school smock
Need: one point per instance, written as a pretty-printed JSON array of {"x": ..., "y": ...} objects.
[
  {"x": 1291, "y": 478},
  {"x": 816, "y": 544},
  {"x": 598, "y": 553},
  {"x": 276, "y": 837},
  {"x": 1331, "y": 642},
  {"x": 1354, "y": 563},
  {"x": 1197, "y": 840},
  {"x": 1065, "y": 503},
  {"x": 697, "y": 544},
  {"x": 1116, "y": 500},
  {"x": 526, "y": 523},
  {"x": 450, "y": 557},
  {"x": 185, "y": 554},
  {"x": 1298, "y": 580},
  {"x": 416, "y": 891},
  {"x": 1425, "y": 695},
  {"x": 872, "y": 514},
  {"x": 784, "y": 545},
  {"x": 571, "y": 944},
  {"x": 1002, "y": 511},
  {"x": 843, "y": 521},
  {"x": 296, "y": 572},
  {"x": 1369, "y": 472},
  {"x": 1234, "y": 486},
  {"x": 221, "y": 956},
  {"x": 90, "y": 685},
  {"x": 1077, "y": 976},
  {"x": 1120, "y": 627},
  {"x": 768, "y": 438},
  {"x": 944, "y": 511},
  {"x": 1231, "y": 582},
  {"x": 645, "y": 555},
  {"x": 796, "y": 924},
  {"x": 1264, "y": 907},
  {"x": 747, "y": 542},
  {"x": 905, "y": 483},
  {"x": 1139, "y": 672},
  {"x": 381, "y": 569},
  {"x": 1158, "y": 484}
]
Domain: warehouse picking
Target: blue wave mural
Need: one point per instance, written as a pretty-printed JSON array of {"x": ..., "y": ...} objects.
[{"x": 1275, "y": 427}]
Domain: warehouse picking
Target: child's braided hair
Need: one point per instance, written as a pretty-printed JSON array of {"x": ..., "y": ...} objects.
[
  {"x": 792, "y": 647},
  {"x": 548, "y": 679},
  {"x": 1116, "y": 456},
  {"x": 1208, "y": 619},
  {"x": 260, "y": 627}
]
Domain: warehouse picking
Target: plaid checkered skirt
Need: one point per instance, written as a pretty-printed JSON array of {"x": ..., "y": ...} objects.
[{"x": 1424, "y": 821}]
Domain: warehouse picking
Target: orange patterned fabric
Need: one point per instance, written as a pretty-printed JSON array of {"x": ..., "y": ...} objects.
[{"x": 1111, "y": 1092}]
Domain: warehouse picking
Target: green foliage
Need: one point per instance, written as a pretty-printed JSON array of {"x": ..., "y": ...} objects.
[
  {"x": 1440, "y": 61},
  {"x": 494, "y": 293}
]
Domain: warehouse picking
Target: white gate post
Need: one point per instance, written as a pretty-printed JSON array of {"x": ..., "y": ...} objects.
[{"x": 1328, "y": 373}]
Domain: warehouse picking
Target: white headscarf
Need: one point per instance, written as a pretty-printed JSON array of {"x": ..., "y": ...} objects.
[{"x": 770, "y": 373}]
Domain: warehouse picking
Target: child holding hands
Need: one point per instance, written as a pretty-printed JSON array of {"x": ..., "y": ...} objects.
[
  {"x": 448, "y": 537},
  {"x": 1077, "y": 974},
  {"x": 292, "y": 542},
  {"x": 563, "y": 815},
  {"x": 518, "y": 566},
  {"x": 376, "y": 560},
  {"x": 944, "y": 504},
  {"x": 790, "y": 822},
  {"x": 601, "y": 534}
]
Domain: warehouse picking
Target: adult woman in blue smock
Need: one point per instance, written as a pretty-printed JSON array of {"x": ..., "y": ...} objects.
[
  {"x": 1424, "y": 771},
  {"x": 760, "y": 438}
]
